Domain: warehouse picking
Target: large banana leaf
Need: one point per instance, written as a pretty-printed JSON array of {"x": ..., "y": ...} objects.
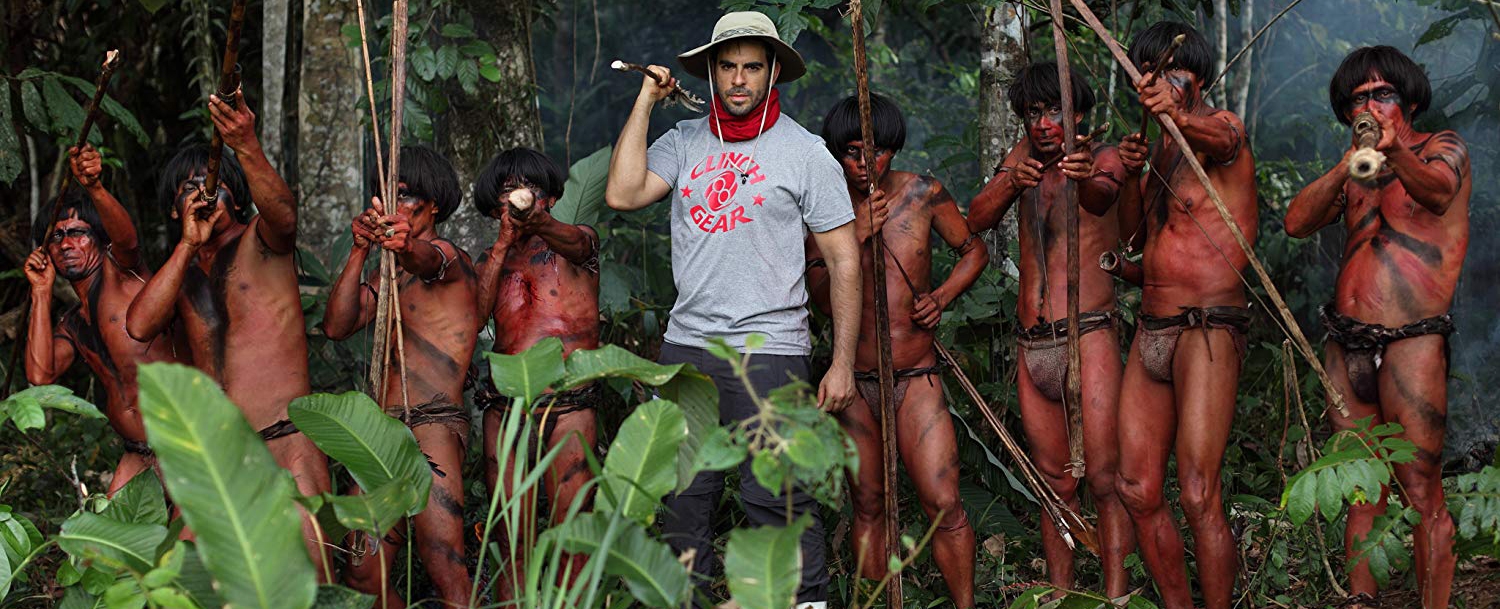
[
  {"x": 376, "y": 448},
  {"x": 529, "y": 373},
  {"x": 649, "y": 568},
  {"x": 765, "y": 565},
  {"x": 231, "y": 492},
  {"x": 26, "y": 408},
  {"x": 639, "y": 467},
  {"x": 91, "y": 536},
  {"x": 691, "y": 390},
  {"x": 139, "y": 501},
  {"x": 582, "y": 201}
]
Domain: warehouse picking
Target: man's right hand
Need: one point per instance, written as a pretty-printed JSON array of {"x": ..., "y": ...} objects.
[
  {"x": 656, "y": 92},
  {"x": 1026, "y": 173},
  {"x": 1134, "y": 150},
  {"x": 364, "y": 228},
  {"x": 509, "y": 230},
  {"x": 86, "y": 165},
  {"x": 867, "y": 225},
  {"x": 195, "y": 230},
  {"x": 39, "y": 270}
]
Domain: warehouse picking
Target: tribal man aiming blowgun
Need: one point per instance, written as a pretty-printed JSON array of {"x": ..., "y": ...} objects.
[
  {"x": 913, "y": 206},
  {"x": 1026, "y": 178},
  {"x": 1388, "y": 324}
]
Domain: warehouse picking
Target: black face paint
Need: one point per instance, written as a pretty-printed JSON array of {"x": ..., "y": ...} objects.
[{"x": 1384, "y": 95}]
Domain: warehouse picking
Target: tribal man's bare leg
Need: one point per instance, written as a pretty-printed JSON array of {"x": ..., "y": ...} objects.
[
  {"x": 129, "y": 466},
  {"x": 309, "y": 467},
  {"x": 569, "y": 472},
  {"x": 440, "y": 528},
  {"x": 1045, "y": 423},
  {"x": 1361, "y": 517},
  {"x": 866, "y": 488},
  {"x": 499, "y": 476},
  {"x": 371, "y": 570},
  {"x": 1206, "y": 390},
  {"x": 1148, "y": 427},
  {"x": 929, "y": 450}
]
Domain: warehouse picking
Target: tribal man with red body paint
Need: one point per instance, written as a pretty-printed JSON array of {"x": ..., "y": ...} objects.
[
  {"x": 539, "y": 280},
  {"x": 1179, "y": 389},
  {"x": 1388, "y": 324},
  {"x": 913, "y": 207},
  {"x": 93, "y": 244},
  {"x": 1025, "y": 177},
  {"x": 438, "y": 327},
  {"x": 232, "y": 281}
]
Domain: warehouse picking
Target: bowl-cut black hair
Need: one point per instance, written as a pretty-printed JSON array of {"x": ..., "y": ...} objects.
[
  {"x": 841, "y": 126},
  {"x": 1364, "y": 64},
  {"x": 519, "y": 163}
]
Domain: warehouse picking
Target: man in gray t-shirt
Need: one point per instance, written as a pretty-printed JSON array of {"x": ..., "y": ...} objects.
[{"x": 746, "y": 182}]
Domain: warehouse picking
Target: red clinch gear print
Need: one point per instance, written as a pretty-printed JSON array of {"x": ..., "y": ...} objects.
[{"x": 719, "y": 211}]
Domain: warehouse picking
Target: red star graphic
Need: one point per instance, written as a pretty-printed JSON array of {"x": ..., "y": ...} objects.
[
  {"x": 759, "y": 200},
  {"x": 686, "y": 192}
]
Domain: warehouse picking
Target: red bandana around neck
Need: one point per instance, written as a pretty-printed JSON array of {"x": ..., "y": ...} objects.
[{"x": 747, "y": 127}]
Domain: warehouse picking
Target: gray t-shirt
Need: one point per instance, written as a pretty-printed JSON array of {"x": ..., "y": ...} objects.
[{"x": 737, "y": 248}]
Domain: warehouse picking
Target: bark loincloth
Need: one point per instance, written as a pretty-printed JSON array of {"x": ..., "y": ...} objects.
[
  {"x": 439, "y": 410},
  {"x": 138, "y": 447},
  {"x": 1046, "y": 348},
  {"x": 1364, "y": 345},
  {"x": 546, "y": 408},
  {"x": 279, "y": 429},
  {"x": 1159, "y": 335},
  {"x": 868, "y": 384}
]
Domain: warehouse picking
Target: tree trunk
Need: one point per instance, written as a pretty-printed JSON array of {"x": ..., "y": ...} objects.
[
  {"x": 500, "y": 116},
  {"x": 330, "y": 150},
  {"x": 1217, "y": 97},
  {"x": 273, "y": 74},
  {"x": 1241, "y": 82},
  {"x": 1002, "y": 53}
]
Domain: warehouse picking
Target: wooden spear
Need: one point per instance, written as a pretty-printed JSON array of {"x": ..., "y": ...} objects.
[
  {"x": 229, "y": 86},
  {"x": 882, "y": 307},
  {"x": 1303, "y": 346},
  {"x": 107, "y": 71},
  {"x": 1073, "y": 403}
]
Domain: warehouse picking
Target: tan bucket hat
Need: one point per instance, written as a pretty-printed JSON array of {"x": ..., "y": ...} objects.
[{"x": 745, "y": 24}]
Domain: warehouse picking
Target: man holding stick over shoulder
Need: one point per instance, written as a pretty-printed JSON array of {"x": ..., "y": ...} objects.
[
  {"x": 745, "y": 183},
  {"x": 1388, "y": 324},
  {"x": 1033, "y": 175},
  {"x": 232, "y": 279},
  {"x": 1179, "y": 388},
  {"x": 93, "y": 244}
]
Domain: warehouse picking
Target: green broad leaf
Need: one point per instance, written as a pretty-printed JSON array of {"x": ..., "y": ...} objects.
[
  {"x": 474, "y": 49},
  {"x": 171, "y": 598},
  {"x": 468, "y": 76},
  {"x": 491, "y": 73},
  {"x": 1440, "y": 29},
  {"x": 125, "y": 594},
  {"x": 639, "y": 469},
  {"x": 723, "y": 350},
  {"x": 10, "y": 143},
  {"x": 26, "y": 413},
  {"x": 56, "y": 397},
  {"x": 424, "y": 62},
  {"x": 807, "y": 450},
  {"x": 339, "y": 597},
  {"x": 67, "y": 115},
  {"x": 152, "y": 6},
  {"x": 230, "y": 490},
  {"x": 376, "y": 448},
  {"x": 195, "y": 579},
  {"x": 527, "y": 374},
  {"x": 125, "y": 119},
  {"x": 447, "y": 61},
  {"x": 78, "y": 598},
  {"x": 7, "y": 574},
  {"x": 96, "y": 580},
  {"x": 1301, "y": 497},
  {"x": 457, "y": 30},
  {"x": 650, "y": 569},
  {"x": 765, "y": 565},
  {"x": 768, "y": 472},
  {"x": 695, "y": 393},
  {"x": 1330, "y": 493},
  {"x": 375, "y": 512},
  {"x": 140, "y": 501},
  {"x": 719, "y": 452},
  {"x": 583, "y": 195},
  {"x": 32, "y": 107},
  {"x": 613, "y": 361},
  {"x": 90, "y": 536},
  {"x": 67, "y": 575}
]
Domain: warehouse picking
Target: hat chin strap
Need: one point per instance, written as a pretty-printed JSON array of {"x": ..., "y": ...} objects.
[{"x": 719, "y": 130}]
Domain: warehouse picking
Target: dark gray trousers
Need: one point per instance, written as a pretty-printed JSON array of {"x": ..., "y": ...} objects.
[{"x": 688, "y": 522}]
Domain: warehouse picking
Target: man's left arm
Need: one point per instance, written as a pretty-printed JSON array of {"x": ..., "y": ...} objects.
[
  {"x": 841, "y": 254},
  {"x": 973, "y": 256},
  {"x": 124, "y": 244},
  {"x": 273, "y": 198},
  {"x": 1219, "y": 135},
  {"x": 577, "y": 243},
  {"x": 1434, "y": 175}
]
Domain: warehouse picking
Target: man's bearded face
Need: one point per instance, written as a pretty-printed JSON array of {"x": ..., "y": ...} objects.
[
  {"x": 71, "y": 245},
  {"x": 742, "y": 75},
  {"x": 853, "y": 161},
  {"x": 1379, "y": 97}
]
